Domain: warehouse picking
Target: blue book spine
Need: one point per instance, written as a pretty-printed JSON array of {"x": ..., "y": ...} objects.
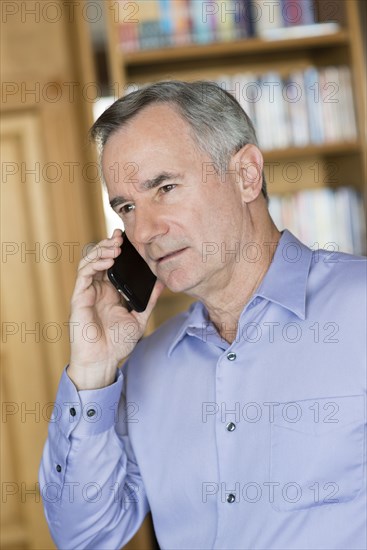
[
  {"x": 244, "y": 21},
  {"x": 298, "y": 12},
  {"x": 166, "y": 22},
  {"x": 314, "y": 106},
  {"x": 201, "y": 13},
  {"x": 308, "y": 12},
  {"x": 250, "y": 17}
]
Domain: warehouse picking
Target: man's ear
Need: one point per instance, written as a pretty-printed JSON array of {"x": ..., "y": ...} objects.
[{"x": 248, "y": 165}]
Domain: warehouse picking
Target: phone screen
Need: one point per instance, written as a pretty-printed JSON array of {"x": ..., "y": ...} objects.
[{"x": 132, "y": 277}]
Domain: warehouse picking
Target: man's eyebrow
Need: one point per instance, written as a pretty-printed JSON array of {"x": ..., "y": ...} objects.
[{"x": 146, "y": 185}]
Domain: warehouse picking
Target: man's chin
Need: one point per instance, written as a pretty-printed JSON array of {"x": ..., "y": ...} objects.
[
  {"x": 176, "y": 287},
  {"x": 178, "y": 281}
]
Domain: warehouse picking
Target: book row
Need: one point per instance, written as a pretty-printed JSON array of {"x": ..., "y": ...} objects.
[
  {"x": 149, "y": 24},
  {"x": 338, "y": 221},
  {"x": 310, "y": 106}
]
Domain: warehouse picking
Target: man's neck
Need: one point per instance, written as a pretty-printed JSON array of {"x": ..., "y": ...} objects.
[{"x": 226, "y": 305}]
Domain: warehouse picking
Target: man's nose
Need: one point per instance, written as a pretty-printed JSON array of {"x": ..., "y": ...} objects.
[{"x": 147, "y": 226}]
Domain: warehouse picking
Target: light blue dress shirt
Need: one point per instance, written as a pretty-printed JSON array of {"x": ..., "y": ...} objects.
[{"x": 255, "y": 445}]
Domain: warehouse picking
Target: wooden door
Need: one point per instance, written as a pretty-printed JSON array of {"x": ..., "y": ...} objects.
[{"x": 50, "y": 207}]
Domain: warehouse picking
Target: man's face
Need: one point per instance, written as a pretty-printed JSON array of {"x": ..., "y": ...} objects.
[{"x": 174, "y": 207}]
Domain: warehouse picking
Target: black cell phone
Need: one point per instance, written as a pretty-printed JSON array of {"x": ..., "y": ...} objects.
[{"x": 132, "y": 277}]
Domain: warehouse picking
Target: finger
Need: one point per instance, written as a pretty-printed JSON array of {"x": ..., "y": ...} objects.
[
  {"x": 116, "y": 238},
  {"x": 100, "y": 252},
  {"x": 91, "y": 272},
  {"x": 117, "y": 232},
  {"x": 95, "y": 266},
  {"x": 114, "y": 241}
]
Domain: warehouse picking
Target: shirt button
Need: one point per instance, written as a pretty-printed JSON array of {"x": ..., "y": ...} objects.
[
  {"x": 72, "y": 411},
  {"x": 231, "y": 498},
  {"x": 58, "y": 468},
  {"x": 231, "y": 356},
  {"x": 91, "y": 412},
  {"x": 231, "y": 427}
]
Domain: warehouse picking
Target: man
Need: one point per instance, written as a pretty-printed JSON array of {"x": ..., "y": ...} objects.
[{"x": 240, "y": 423}]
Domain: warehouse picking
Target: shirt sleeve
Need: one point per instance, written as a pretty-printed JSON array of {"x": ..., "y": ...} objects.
[{"x": 90, "y": 483}]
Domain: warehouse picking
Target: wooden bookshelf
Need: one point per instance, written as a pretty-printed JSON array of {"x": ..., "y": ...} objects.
[
  {"x": 197, "y": 61},
  {"x": 325, "y": 149},
  {"x": 229, "y": 49}
]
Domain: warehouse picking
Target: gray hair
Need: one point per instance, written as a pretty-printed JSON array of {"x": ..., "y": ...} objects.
[{"x": 218, "y": 123}]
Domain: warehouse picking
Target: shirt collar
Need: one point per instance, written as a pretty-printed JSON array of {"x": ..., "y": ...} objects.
[
  {"x": 197, "y": 317},
  {"x": 285, "y": 283}
]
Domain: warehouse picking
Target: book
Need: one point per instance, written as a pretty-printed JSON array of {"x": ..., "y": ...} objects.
[
  {"x": 309, "y": 16},
  {"x": 356, "y": 219},
  {"x": 306, "y": 107},
  {"x": 148, "y": 24},
  {"x": 244, "y": 20},
  {"x": 347, "y": 105},
  {"x": 297, "y": 109},
  {"x": 227, "y": 15},
  {"x": 291, "y": 12},
  {"x": 335, "y": 100},
  {"x": 323, "y": 218},
  {"x": 202, "y": 27},
  {"x": 263, "y": 115},
  {"x": 279, "y": 121},
  {"x": 150, "y": 35},
  {"x": 166, "y": 22},
  {"x": 127, "y": 26},
  {"x": 298, "y": 12},
  {"x": 314, "y": 106},
  {"x": 266, "y": 16},
  {"x": 181, "y": 28},
  {"x": 246, "y": 83},
  {"x": 301, "y": 31}
]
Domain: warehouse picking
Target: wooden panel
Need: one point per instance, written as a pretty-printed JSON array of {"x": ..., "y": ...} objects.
[
  {"x": 28, "y": 292},
  {"x": 51, "y": 207},
  {"x": 240, "y": 48}
]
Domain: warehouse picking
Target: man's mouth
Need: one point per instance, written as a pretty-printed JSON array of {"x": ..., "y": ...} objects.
[{"x": 170, "y": 256}]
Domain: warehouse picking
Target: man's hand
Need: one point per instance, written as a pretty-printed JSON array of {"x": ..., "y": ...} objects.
[{"x": 103, "y": 331}]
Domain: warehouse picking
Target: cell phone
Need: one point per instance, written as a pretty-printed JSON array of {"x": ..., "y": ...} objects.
[{"x": 132, "y": 277}]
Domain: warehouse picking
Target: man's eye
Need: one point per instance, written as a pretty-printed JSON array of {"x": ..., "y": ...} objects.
[
  {"x": 167, "y": 188},
  {"x": 126, "y": 208}
]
